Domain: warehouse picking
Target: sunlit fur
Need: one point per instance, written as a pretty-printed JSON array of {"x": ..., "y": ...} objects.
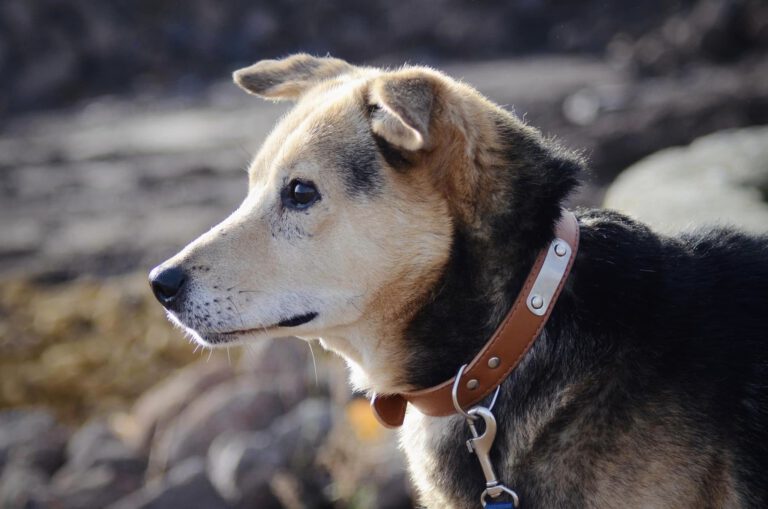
[{"x": 646, "y": 389}]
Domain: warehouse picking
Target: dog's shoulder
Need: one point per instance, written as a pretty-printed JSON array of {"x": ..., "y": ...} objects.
[
  {"x": 693, "y": 306},
  {"x": 719, "y": 256}
]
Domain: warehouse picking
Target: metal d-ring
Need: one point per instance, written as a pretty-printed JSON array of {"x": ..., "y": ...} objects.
[{"x": 455, "y": 396}]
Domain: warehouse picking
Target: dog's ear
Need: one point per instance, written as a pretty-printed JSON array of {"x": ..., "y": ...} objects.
[
  {"x": 401, "y": 109},
  {"x": 289, "y": 78}
]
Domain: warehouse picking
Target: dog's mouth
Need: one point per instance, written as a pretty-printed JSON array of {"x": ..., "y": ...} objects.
[
  {"x": 298, "y": 320},
  {"x": 294, "y": 321}
]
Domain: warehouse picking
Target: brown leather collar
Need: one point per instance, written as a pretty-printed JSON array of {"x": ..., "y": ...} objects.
[{"x": 501, "y": 354}]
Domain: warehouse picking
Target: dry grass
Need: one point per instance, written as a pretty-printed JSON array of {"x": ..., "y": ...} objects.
[{"x": 84, "y": 347}]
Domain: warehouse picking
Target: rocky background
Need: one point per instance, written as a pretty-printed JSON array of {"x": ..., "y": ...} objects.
[{"x": 121, "y": 139}]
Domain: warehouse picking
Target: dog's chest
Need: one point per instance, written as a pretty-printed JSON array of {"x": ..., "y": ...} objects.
[
  {"x": 445, "y": 473},
  {"x": 558, "y": 470},
  {"x": 422, "y": 439}
]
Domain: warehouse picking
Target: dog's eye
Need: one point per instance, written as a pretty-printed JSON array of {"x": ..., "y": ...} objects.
[{"x": 300, "y": 194}]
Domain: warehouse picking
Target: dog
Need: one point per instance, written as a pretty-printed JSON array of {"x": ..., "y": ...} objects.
[{"x": 395, "y": 214}]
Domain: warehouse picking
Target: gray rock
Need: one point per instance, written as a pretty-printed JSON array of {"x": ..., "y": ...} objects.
[
  {"x": 241, "y": 404},
  {"x": 186, "y": 486},
  {"x": 97, "y": 444},
  {"x": 368, "y": 468},
  {"x": 302, "y": 431},
  {"x": 97, "y": 486},
  {"x": 720, "y": 179},
  {"x": 158, "y": 406},
  {"x": 22, "y": 487},
  {"x": 295, "y": 491},
  {"x": 713, "y": 30},
  {"x": 22, "y": 238},
  {"x": 33, "y": 438},
  {"x": 99, "y": 470},
  {"x": 278, "y": 357},
  {"x": 242, "y": 465},
  {"x": 291, "y": 364},
  {"x": 393, "y": 491},
  {"x": 618, "y": 124}
]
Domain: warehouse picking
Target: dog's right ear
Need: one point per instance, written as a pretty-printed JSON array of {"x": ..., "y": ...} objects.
[{"x": 289, "y": 78}]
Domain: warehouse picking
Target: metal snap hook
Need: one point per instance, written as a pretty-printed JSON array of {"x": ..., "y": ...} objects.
[
  {"x": 503, "y": 489},
  {"x": 481, "y": 445}
]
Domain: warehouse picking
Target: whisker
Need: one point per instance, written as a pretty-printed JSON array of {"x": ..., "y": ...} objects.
[
  {"x": 314, "y": 362},
  {"x": 239, "y": 314}
]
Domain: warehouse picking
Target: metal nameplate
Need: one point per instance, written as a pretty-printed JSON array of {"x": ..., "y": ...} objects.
[{"x": 555, "y": 263}]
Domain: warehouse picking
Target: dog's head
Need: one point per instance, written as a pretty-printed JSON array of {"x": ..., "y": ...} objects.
[{"x": 353, "y": 206}]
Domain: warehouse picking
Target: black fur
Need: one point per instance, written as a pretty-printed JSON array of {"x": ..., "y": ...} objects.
[
  {"x": 360, "y": 169},
  {"x": 392, "y": 156},
  {"x": 668, "y": 331}
]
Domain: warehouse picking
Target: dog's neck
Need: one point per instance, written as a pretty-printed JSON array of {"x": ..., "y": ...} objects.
[
  {"x": 491, "y": 257},
  {"x": 479, "y": 285}
]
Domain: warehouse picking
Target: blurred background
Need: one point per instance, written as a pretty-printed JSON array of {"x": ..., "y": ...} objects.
[{"x": 122, "y": 138}]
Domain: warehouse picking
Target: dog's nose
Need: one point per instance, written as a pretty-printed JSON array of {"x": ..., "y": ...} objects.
[{"x": 167, "y": 283}]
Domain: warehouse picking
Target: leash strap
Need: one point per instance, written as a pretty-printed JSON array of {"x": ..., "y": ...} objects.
[{"x": 509, "y": 343}]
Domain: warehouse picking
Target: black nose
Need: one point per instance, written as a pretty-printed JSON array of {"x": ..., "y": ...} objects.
[{"x": 167, "y": 284}]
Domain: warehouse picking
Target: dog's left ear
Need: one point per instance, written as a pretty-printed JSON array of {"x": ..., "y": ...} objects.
[
  {"x": 289, "y": 78},
  {"x": 401, "y": 109}
]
